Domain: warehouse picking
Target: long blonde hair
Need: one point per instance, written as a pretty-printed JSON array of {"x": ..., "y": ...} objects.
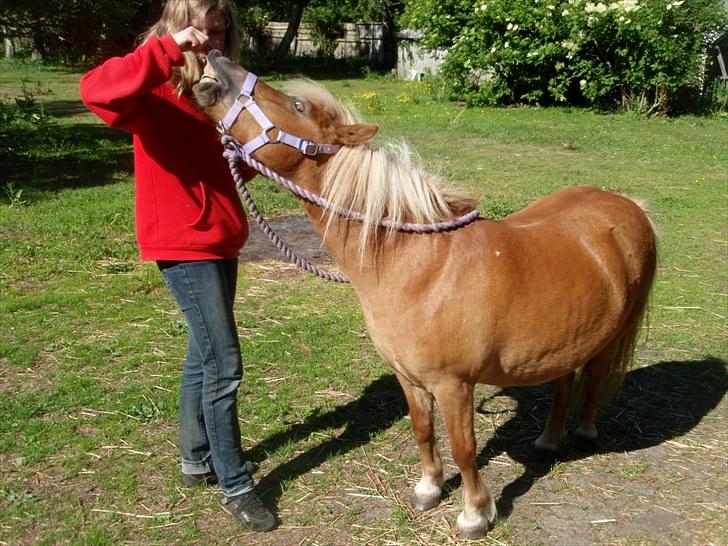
[{"x": 178, "y": 15}]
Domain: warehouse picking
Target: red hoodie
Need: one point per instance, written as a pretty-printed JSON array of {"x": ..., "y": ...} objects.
[{"x": 187, "y": 207}]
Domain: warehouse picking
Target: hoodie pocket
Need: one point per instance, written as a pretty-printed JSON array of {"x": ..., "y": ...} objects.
[{"x": 204, "y": 209}]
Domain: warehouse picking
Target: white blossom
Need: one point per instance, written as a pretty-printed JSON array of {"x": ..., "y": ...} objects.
[{"x": 595, "y": 8}]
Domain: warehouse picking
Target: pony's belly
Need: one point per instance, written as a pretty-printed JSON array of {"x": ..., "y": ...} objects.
[
  {"x": 531, "y": 372},
  {"x": 484, "y": 355}
]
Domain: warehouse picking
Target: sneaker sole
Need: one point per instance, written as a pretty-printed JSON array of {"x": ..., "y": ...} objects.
[{"x": 251, "y": 526}]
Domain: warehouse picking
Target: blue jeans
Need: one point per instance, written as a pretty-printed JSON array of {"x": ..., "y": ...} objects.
[{"x": 209, "y": 433}]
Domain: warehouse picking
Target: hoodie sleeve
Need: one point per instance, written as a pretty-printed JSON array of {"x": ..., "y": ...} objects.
[{"x": 114, "y": 90}]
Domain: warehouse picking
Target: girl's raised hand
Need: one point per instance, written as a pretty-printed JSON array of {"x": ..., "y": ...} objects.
[{"x": 191, "y": 39}]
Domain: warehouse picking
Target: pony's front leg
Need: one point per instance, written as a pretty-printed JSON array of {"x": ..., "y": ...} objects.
[
  {"x": 456, "y": 403},
  {"x": 429, "y": 489}
]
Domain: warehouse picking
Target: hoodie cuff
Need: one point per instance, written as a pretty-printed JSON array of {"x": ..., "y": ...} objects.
[{"x": 173, "y": 50}]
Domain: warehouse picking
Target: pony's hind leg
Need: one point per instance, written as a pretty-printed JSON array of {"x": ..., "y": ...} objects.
[
  {"x": 555, "y": 427},
  {"x": 429, "y": 489},
  {"x": 596, "y": 372},
  {"x": 455, "y": 400}
]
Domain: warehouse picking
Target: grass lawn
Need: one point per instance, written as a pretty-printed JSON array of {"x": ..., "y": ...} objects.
[{"x": 91, "y": 345}]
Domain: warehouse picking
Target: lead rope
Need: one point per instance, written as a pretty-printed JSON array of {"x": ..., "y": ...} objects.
[
  {"x": 234, "y": 153},
  {"x": 235, "y": 150},
  {"x": 263, "y": 224}
]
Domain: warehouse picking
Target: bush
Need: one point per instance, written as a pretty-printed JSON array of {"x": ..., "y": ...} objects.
[
  {"x": 643, "y": 55},
  {"x": 716, "y": 97},
  {"x": 24, "y": 122},
  {"x": 326, "y": 28}
]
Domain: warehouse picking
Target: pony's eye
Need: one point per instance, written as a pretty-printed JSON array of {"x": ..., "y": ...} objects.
[{"x": 299, "y": 105}]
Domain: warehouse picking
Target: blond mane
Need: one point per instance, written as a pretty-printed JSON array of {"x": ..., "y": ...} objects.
[{"x": 382, "y": 182}]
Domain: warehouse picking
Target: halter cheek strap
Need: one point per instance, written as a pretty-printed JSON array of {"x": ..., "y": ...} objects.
[{"x": 246, "y": 101}]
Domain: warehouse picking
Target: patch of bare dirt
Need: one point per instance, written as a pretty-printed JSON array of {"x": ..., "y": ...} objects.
[{"x": 295, "y": 231}]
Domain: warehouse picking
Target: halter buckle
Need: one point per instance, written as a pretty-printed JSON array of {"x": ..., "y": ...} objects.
[{"x": 308, "y": 148}]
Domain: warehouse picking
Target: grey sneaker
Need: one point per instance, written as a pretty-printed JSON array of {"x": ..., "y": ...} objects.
[{"x": 250, "y": 511}]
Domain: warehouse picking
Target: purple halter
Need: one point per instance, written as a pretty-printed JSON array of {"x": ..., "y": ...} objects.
[
  {"x": 304, "y": 146},
  {"x": 234, "y": 152}
]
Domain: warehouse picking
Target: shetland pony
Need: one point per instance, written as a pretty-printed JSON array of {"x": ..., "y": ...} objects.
[{"x": 558, "y": 287}]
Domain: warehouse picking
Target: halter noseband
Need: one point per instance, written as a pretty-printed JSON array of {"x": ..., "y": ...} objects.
[{"x": 303, "y": 145}]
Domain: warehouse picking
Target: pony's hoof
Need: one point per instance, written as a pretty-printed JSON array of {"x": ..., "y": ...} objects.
[
  {"x": 476, "y": 526},
  {"x": 472, "y": 534},
  {"x": 546, "y": 443},
  {"x": 427, "y": 495},
  {"x": 474, "y": 529},
  {"x": 586, "y": 431},
  {"x": 423, "y": 505}
]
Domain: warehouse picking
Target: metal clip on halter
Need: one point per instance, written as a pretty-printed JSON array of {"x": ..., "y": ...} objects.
[{"x": 306, "y": 147}]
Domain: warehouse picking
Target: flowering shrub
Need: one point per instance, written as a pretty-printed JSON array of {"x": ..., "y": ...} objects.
[{"x": 637, "y": 54}]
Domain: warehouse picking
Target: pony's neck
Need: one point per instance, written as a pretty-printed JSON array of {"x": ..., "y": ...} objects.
[{"x": 341, "y": 239}]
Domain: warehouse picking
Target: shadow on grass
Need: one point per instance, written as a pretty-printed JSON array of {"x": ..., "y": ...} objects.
[
  {"x": 657, "y": 403},
  {"x": 380, "y": 406},
  {"x": 45, "y": 159},
  {"x": 65, "y": 108}
]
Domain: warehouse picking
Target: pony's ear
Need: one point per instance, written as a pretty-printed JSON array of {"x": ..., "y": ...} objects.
[{"x": 353, "y": 135}]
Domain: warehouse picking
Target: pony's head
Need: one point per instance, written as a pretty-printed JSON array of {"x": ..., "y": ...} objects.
[{"x": 311, "y": 114}]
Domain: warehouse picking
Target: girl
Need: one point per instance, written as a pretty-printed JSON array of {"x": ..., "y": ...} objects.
[{"x": 190, "y": 221}]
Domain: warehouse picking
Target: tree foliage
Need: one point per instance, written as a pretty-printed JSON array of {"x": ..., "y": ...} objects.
[
  {"x": 642, "y": 54},
  {"x": 325, "y": 18},
  {"x": 72, "y": 30},
  {"x": 77, "y": 29}
]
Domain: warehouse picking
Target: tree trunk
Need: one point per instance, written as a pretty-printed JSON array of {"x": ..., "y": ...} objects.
[
  {"x": 293, "y": 24},
  {"x": 662, "y": 101},
  {"x": 8, "y": 42},
  {"x": 39, "y": 49}
]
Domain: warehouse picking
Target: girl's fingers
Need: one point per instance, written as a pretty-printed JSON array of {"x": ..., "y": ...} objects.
[{"x": 190, "y": 39}]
